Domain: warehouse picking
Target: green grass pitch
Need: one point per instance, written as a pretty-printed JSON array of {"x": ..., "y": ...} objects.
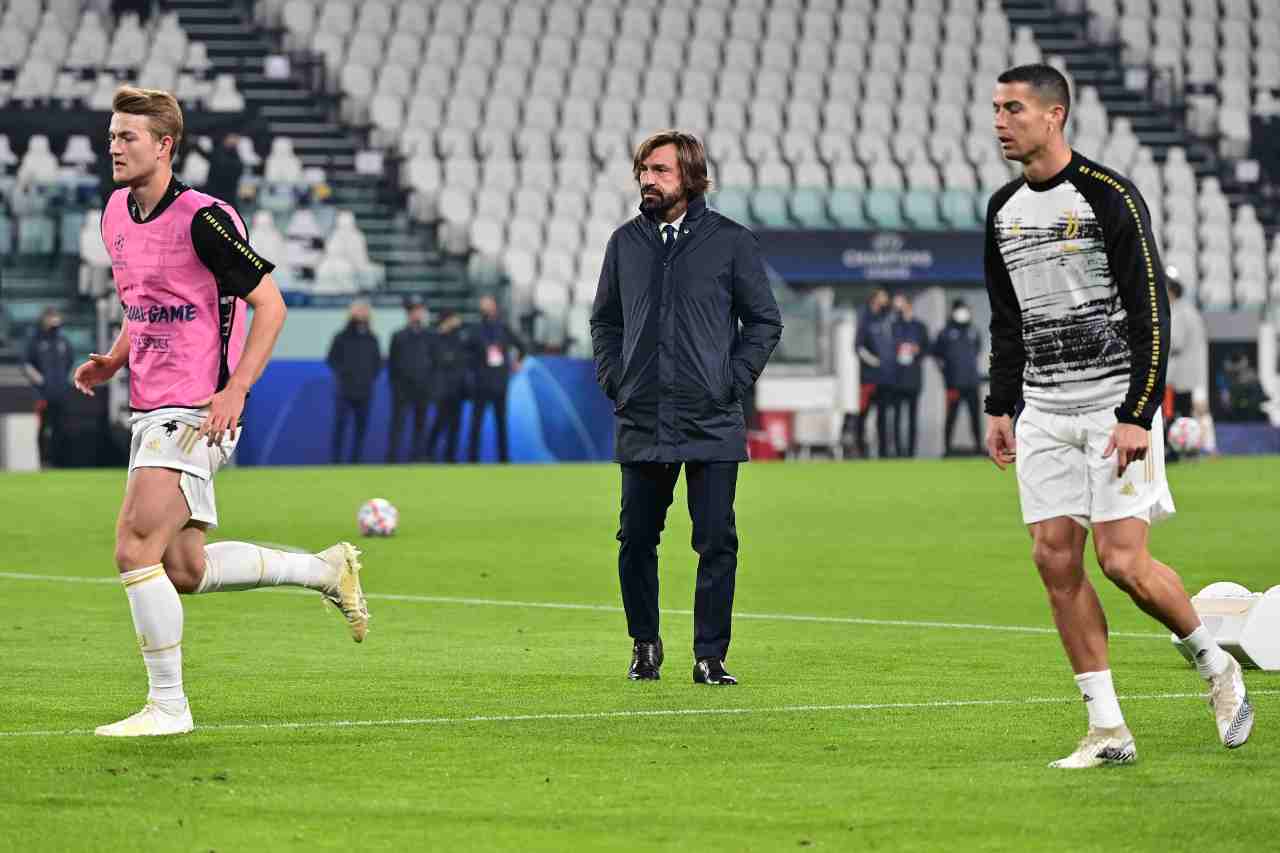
[{"x": 471, "y": 720}]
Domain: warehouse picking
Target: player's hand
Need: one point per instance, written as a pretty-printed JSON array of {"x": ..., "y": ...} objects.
[
  {"x": 225, "y": 409},
  {"x": 1130, "y": 443},
  {"x": 97, "y": 370},
  {"x": 1000, "y": 441}
]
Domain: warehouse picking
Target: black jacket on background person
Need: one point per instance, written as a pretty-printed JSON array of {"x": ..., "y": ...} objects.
[
  {"x": 411, "y": 362},
  {"x": 494, "y": 337},
  {"x": 665, "y": 331},
  {"x": 355, "y": 359},
  {"x": 49, "y": 352},
  {"x": 957, "y": 347}
]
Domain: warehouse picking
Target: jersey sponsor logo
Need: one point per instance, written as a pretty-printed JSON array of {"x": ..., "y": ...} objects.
[
  {"x": 152, "y": 343},
  {"x": 118, "y": 242},
  {"x": 160, "y": 313}
]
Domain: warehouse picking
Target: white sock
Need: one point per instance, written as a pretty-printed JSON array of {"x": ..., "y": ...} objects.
[
  {"x": 1210, "y": 659},
  {"x": 1100, "y": 698},
  {"x": 157, "y": 620},
  {"x": 240, "y": 565}
]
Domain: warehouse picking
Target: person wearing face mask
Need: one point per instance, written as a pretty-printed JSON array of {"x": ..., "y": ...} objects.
[
  {"x": 910, "y": 344},
  {"x": 355, "y": 359},
  {"x": 48, "y": 366},
  {"x": 877, "y": 368},
  {"x": 957, "y": 347},
  {"x": 683, "y": 322}
]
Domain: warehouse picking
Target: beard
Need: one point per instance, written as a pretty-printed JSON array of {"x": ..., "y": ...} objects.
[{"x": 658, "y": 202}]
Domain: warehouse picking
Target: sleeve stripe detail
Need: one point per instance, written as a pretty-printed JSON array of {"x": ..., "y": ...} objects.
[
  {"x": 239, "y": 246},
  {"x": 1154, "y": 369}
]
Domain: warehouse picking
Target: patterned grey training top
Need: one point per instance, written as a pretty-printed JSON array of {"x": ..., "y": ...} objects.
[{"x": 1079, "y": 312}]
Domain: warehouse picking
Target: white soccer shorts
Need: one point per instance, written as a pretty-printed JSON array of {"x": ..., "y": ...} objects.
[
  {"x": 1061, "y": 471},
  {"x": 166, "y": 438}
]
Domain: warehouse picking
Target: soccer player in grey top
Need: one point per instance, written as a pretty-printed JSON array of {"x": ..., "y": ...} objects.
[{"x": 1079, "y": 335}]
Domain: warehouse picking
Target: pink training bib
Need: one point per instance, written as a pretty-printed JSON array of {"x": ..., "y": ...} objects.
[{"x": 185, "y": 338}]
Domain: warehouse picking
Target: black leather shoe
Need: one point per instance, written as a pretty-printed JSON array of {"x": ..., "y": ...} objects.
[
  {"x": 646, "y": 660},
  {"x": 711, "y": 671}
]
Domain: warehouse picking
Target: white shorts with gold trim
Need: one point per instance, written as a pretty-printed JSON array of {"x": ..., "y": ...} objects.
[
  {"x": 1061, "y": 471},
  {"x": 166, "y": 438}
]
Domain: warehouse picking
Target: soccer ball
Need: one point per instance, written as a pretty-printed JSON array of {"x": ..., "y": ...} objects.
[
  {"x": 1184, "y": 435},
  {"x": 377, "y": 517}
]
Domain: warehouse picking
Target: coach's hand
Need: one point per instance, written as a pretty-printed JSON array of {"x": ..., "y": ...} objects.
[
  {"x": 97, "y": 370},
  {"x": 1000, "y": 442},
  {"x": 225, "y": 409},
  {"x": 1132, "y": 443}
]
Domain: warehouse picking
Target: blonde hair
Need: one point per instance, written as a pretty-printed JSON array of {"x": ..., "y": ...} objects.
[
  {"x": 690, "y": 154},
  {"x": 159, "y": 106}
]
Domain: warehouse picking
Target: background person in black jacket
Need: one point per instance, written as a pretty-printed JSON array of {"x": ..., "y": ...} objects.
[
  {"x": 450, "y": 351},
  {"x": 492, "y": 341},
  {"x": 910, "y": 345},
  {"x": 48, "y": 365},
  {"x": 957, "y": 347},
  {"x": 675, "y": 283},
  {"x": 874, "y": 346},
  {"x": 409, "y": 367},
  {"x": 355, "y": 359}
]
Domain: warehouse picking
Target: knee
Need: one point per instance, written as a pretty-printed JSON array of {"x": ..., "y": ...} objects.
[
  {"x": 1060, "y": 566},
  {"x": 1124, "y": 567}
]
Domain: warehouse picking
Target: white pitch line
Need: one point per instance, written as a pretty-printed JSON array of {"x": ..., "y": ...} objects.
[
  {"x": 606, "y": 608},
  {"x": 660, "y": 712}
]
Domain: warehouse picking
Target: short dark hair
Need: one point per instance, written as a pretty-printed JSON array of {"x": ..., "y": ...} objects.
[
  {"x": 690, "y": 154},
  {"x": 1051, "y": 87}
]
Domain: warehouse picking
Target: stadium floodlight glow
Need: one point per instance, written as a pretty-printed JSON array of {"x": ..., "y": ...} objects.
[{"x": 1246, "y": 624}]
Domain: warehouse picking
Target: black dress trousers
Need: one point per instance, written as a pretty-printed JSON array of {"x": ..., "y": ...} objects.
[{"x": 647, "y": 492}]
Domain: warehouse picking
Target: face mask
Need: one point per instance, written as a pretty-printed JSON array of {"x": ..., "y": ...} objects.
[{"x": 961, "y": 315}]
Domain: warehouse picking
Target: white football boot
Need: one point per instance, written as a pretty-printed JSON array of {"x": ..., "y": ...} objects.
[
  {"x": 1231, "y": 707},
  {"x": 346, "y": 594},
  {"x": 151, "y": 721},
  {"x": 1101, "y": 746}
]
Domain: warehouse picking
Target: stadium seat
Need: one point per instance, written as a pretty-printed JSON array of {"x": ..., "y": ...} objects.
[
  {"x": 845, "y": 206},
  {"x": 884, "y": 208},
  {"x": 733, "y": 203},
  {"x": 769, "y": 207},
  {"x": 809, "y": 207}
]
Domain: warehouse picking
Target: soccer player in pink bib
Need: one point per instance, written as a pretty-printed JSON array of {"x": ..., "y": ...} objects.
[{"x": 184, "y": 272}]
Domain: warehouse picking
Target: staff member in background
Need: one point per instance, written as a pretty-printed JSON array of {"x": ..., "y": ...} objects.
[
  {"x": 409, "y": 367},
  {"x": 957, "y": 347},
  {"x": 874, "y": 346},
  {"x": 492, "y": 340},
  {"x": 355, "y": 359},
  {"x": 910, "y": 343},
  {"x": 450, "y": 356},
  {"x": 1188, "y": 375},
  {"x": 676, "y": 282},
  {"x": 48, "y": 366}
]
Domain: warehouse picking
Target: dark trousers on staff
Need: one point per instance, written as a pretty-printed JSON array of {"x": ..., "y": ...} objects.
[
  {"x": 647, "y": 491},
  {"x": 877, "y": 396},
  {"x": 447, "y": 422},
  {"x": 967, "y": 397},
  {"x": 479, "y": 403},
  {"x": 353, "y": 410},
  {"x": 400, "y": 406},
  {"x": 906, "y": 406}
]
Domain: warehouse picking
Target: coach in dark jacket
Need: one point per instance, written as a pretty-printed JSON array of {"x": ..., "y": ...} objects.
[
  {"x": 670, "y": 354},
  {"x": 409, "y": 367},
  {"x": 492, "y": 342},
  {"x": 957, "y": 347},
  {"x": 355, "y": 359}
]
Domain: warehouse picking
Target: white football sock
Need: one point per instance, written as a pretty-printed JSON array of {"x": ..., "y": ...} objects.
[
  {"x": 1210, "y": 659},
  {"x": 240, "y": 565},
  {"x": 157, "y": 620},
  {"x": 1100, "y": 698}
]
